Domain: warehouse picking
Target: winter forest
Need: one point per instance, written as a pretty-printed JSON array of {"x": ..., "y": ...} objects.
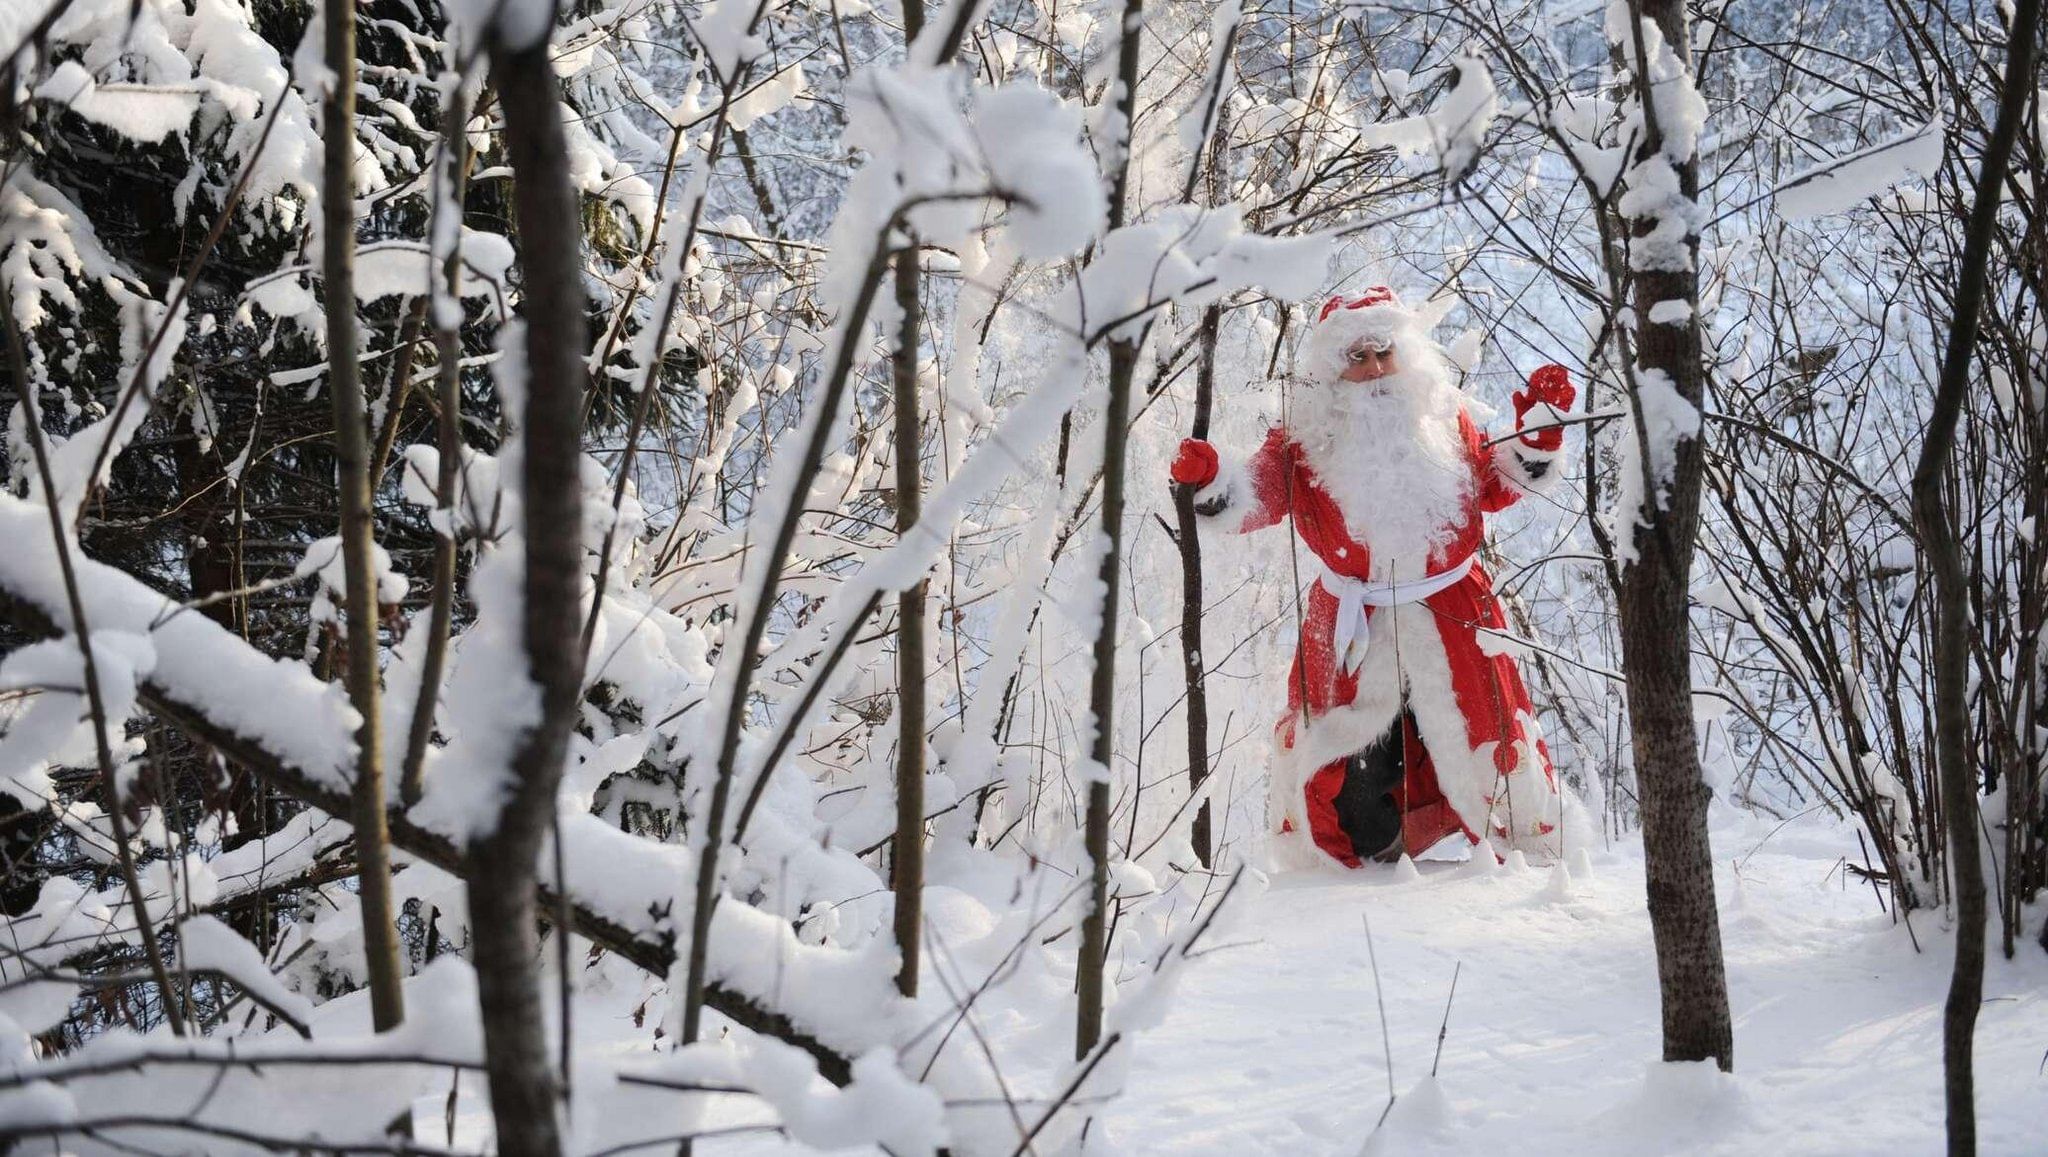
[{"x": 1023, "y": 577}]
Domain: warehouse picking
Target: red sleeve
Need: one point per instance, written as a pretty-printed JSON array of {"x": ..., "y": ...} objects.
[{"x": 1271, "y": 472}]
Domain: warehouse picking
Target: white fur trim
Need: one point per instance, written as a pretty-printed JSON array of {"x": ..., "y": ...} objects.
[
  {"x": 1228, "y": 483},
  {"x": 1526, "y": 468},
  {"x": 1406, "y": 643},
  {"x": 1233, "y": 485},
  {"x": 1323, "y": 353}
]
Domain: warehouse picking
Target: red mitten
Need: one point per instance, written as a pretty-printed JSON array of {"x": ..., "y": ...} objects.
[
  {"x": 1549, "y": 386},
  {"x": 1196, "y": 464}
]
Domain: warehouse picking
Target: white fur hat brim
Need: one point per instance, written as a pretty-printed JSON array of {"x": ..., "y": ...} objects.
[{"x": 1326, "y": 353}]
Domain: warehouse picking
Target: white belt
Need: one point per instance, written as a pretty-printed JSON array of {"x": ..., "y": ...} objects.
[{"x": 1354, "y": 632}]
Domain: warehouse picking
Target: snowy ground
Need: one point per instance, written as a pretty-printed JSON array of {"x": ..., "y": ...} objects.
[{"x": 1274, "y": 1044}]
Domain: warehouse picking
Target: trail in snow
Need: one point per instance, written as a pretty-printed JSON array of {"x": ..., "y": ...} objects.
[{"x": 1274, "y": 1044}]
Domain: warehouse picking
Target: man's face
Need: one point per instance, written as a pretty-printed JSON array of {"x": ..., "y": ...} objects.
[{"x": 1368, "y": 360}]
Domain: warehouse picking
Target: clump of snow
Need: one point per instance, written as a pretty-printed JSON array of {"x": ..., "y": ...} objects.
[
  {"x": 1692, "y": 1099},
  {"x": 768, "y": 97},
  {"x": 1655, "y": 194},
  {"x": 323, "y": 558},
  {"x": 489, "y": 703},
  {"x": 1017, "y": 144},
  {"x": 1187, "y": 256},
  {"x": 881, "y": 1106},
  {"x": 1841, "y": 184},
  {"x": 409, "y": 269},
  {"x": 1665, "y": 419},
  {"x": 1030, "y": 138},
  {"x": 32, "y": 1006},
  {"x": 1671, "y": 313},
  {"x": 1454, "y": 132},
  {"x": 207, "y": 945},
  {"x": 304, "y": 721},
  {"x": 141, "y": 113},
  {"x": 1421, "y": 1115}
]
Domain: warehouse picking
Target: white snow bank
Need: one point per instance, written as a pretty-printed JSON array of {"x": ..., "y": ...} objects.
[{"x": 1273, "y": 1045}]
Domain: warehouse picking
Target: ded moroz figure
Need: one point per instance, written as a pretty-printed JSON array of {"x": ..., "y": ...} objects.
[{"x": 1406, "y": 723}]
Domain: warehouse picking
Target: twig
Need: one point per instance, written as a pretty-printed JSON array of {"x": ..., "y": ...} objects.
[
  {"x": 1074, "y": 1086},
  {"x": 1386, "y": 1039},
  {"x": 450, "y": 188},
  {"x": 1444, "y": 1029}
]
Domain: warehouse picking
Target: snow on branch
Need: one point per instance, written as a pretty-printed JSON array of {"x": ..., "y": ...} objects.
[
  {"x": 1840, "y": 184},
  {"x": 276, "y": 719},
  {"x": 1454, "y": 131}
]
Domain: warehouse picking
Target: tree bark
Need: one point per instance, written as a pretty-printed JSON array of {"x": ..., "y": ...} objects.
[
  {"x": 1656, "y": 642},
  {"x": 1123, "y": 364},
  {"x": 525, "y": 1093},
  {"x": 358, "y": 529},
  {"x": 1938, "y": 540}
]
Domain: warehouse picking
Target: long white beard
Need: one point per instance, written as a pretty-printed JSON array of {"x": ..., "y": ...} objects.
[{"x": 1389, "y": 452}]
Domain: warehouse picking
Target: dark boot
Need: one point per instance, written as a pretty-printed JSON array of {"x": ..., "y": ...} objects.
[{"x": 1366, "y": 807}]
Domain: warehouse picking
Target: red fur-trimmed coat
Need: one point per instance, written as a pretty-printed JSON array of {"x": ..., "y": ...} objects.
[{"x": 1475, "y": 759}]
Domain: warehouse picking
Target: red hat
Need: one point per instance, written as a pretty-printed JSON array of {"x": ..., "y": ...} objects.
[
  {"x": 1377, "y": 295},
  {"x": 1376, "y": 315}
]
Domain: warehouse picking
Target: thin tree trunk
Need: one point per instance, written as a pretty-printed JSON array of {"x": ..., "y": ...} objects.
[
  {"x": 1123, "y": 365},
  {"x": 1123, "y": 362},
  {"x": 1199, "y": 833},
  {"x": 1191, "y": 596},
  {"x": 398, "y": 387},
  {"x": 1939, "y": 542},
  {"x": 448, "y": 386},
  {"x": 1656, "y": 637},
  {"x": 358, "y": 529},
  {"x": 771, "y": 220},
  {"x": 906, "y": 859},
  {"x": 524, "y": 1088},
  {"x": 906, "y": 863}
]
